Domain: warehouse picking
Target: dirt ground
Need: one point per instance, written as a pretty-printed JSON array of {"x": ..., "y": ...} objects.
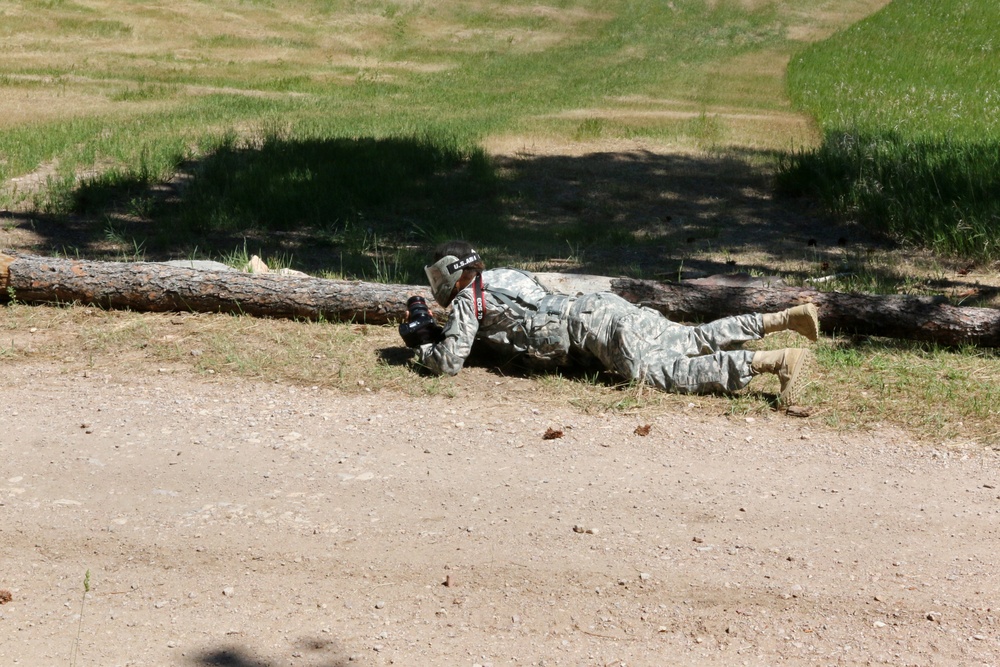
[{"x": 226, "y": 522}]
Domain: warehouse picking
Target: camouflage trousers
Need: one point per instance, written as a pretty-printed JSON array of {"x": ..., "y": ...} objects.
[{"x": 641, "y": 344}]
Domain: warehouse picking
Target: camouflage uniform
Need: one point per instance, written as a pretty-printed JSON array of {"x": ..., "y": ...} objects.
[{"x": 549, "y": 330}]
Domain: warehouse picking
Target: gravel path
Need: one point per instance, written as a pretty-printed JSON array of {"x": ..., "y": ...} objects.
[{"x": 233, "y": 523}]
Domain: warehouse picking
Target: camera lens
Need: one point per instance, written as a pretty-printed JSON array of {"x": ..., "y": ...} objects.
[{"x": 417, "y": 307}]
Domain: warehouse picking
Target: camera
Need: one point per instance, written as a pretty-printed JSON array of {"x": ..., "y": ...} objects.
[{"x": 419, "y": 327}]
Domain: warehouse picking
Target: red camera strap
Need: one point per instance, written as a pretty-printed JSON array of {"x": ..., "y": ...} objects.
[{"x": 480, "y": 299}]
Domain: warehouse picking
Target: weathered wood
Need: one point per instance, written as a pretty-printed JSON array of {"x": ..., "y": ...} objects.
[
  {"x": 150, "y": 286},
  {"x": 920, "y": 318}
]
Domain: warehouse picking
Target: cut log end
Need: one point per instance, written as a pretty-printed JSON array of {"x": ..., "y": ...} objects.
[{"x": 5, "y": 261}]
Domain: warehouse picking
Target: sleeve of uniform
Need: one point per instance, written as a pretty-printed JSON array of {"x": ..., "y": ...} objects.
[{"x": 448, "y": 356}]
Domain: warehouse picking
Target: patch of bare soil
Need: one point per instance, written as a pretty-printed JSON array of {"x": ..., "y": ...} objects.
[{"x": 246, "y": 524}]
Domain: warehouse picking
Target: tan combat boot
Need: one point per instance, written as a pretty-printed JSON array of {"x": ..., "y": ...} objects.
[
  {"x": 802, "y": 319},
  {"x": 792, "y": 367}
]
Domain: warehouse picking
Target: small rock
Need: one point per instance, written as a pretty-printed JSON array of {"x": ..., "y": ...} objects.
[
  {"x": 229, "y": 591},
  {"x": 380, "y": 604},
  {"x": 934, "y": 616},
  {"x": 256, "y": 265},
  {"x": 879, "y": 624}
]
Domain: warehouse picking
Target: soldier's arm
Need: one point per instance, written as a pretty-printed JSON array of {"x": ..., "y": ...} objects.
[{"x": 448, "y": 356}]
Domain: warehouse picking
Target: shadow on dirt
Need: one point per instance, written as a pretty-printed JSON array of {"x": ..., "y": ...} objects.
[
  {"x": 371, "y": 209},
  {"x": 307, "y": 651}
]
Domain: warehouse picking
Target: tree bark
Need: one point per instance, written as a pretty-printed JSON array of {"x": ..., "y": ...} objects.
[
  {"x": 150, "y": 286},
  {"x": 920, "y": 318}
]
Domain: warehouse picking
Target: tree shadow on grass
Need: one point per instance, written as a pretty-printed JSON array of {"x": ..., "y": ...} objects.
[
  {"x": 371, "y": 209},
  {"x": 676, "y": 215}
]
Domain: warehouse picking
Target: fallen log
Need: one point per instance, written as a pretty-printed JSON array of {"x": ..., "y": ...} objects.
[
  {"x": 922, "y": 318},
  {"x": 156, "y": 287}
]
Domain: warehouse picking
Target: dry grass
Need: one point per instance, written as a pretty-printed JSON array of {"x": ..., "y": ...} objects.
[
  {"x": 940, "y": 396},
  {"x": 720, "y": 213},
  {"x": 819, "y": 22},
  {"x": 196, "y": 44}
]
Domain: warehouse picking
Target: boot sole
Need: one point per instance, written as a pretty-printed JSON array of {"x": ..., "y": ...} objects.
[
  {"x": 812, "y": 332},
  {"x": 797, "y": 381}
]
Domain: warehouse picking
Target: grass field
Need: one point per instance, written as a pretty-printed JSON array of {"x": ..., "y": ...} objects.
[
  {"x": 908, "y": 100},
  {"x": 363, "y": 122},
  {"x": 346, "y": 138}
]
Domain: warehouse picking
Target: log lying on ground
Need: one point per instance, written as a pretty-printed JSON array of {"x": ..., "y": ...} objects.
[
  {"x": 149, "y": 286},
  {"x": 155, "y": 287},
  {"x": 921, "y": 318}
]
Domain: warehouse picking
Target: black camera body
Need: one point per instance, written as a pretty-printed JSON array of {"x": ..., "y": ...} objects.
[{"x": 419, "y": 327}]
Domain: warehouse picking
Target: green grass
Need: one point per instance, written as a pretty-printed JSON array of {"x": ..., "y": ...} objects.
[
  {"x": 321, "y": 118},
  {"x": 942, "y": 393},
  {"x": 287, "y": 184},
  {"x": 909, "y": 106}
]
